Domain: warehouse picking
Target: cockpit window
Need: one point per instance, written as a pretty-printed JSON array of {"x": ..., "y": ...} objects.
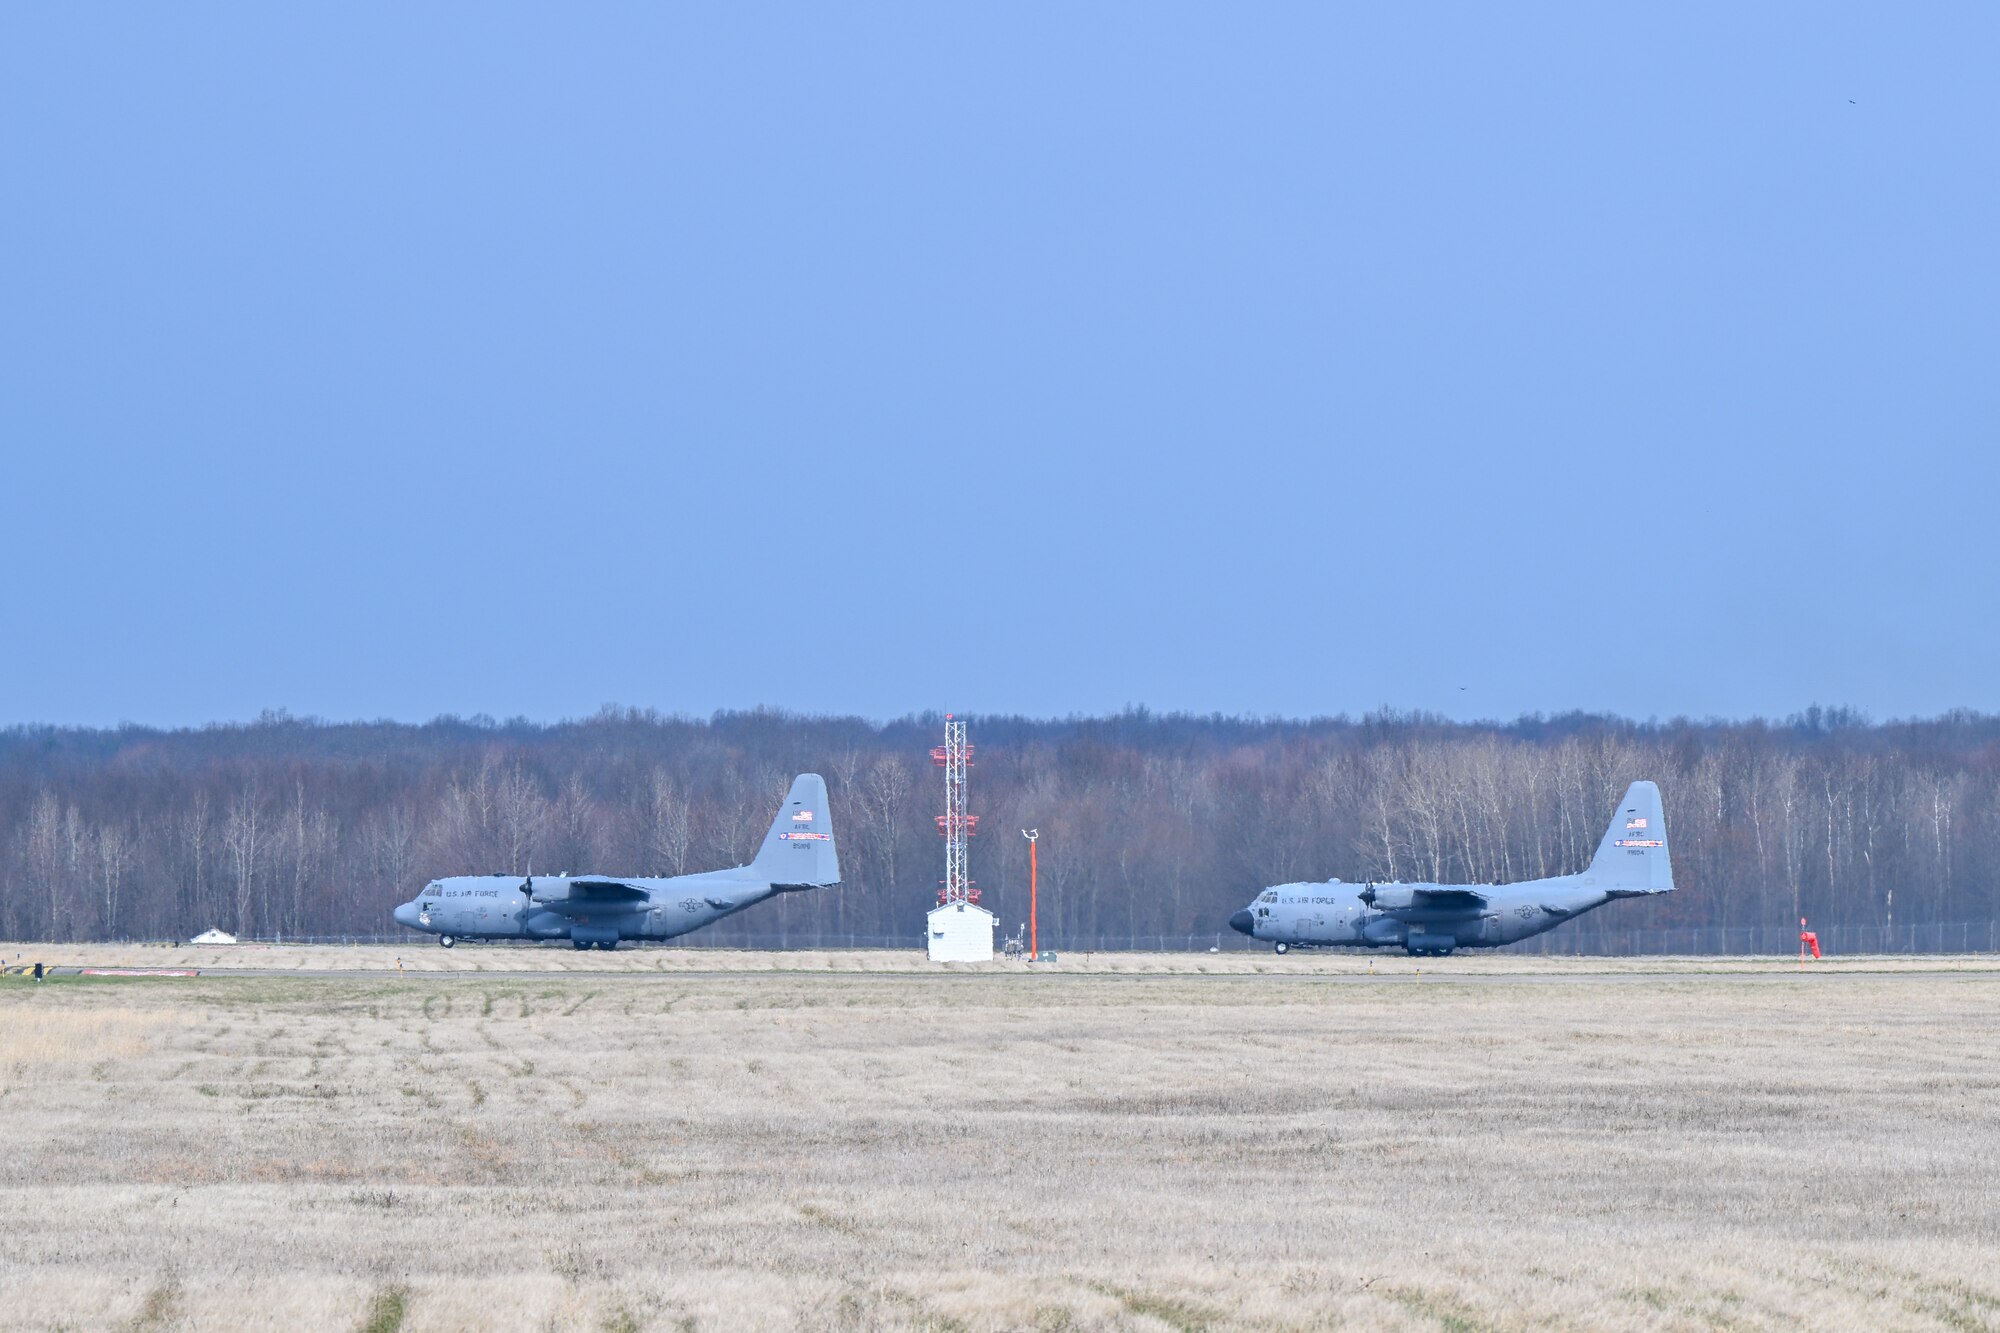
[{"x": 1268, "y": 898}]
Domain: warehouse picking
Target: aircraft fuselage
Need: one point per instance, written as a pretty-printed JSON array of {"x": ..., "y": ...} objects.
[
  {"x": 602, "y": 910},
  {"x": 516, "y": 907},
  {"x": 1631, "y": 862},
  {"x": 1335, "y": 913}
]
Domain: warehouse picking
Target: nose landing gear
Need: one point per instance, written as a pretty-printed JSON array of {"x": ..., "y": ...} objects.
[
  {"x": 446, "y": 941},
  {"x": 1281, "y": 947}
]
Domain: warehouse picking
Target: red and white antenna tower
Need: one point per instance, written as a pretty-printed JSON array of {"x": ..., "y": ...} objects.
[{"x": 954, "y": 757}]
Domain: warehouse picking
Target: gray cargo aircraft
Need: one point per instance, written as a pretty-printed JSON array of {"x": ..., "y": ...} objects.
[
  {"x": 1631, "y": 862},
  {"x": 798, "y": 853}
]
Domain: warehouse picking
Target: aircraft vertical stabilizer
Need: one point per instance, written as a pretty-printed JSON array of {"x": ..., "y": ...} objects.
[
  {"x": 1632, "y": 859},
  {"x": 799, "y": 850}
]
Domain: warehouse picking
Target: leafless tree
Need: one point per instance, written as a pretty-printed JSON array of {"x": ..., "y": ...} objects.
[
  {"x": 44, "y": 857},
  {"x": 306, "y": 840},
  {"x": 196, "y": 829},
  {"x": 669, "y": 825},
  {"x": 884, "y": 804},
  {"x": 113, "y": 848},
  {"x": 243, "y": 839},
  {"x": 521, "y": 815},
  {"x": 390, "y": 841}
]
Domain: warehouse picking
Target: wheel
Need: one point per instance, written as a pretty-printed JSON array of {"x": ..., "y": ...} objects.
[
  {"x": 581, "y": 944},
  {"x": 607, "y": 945},
  {"x": 446, "y": 941},
  {"x": 1282, "y": 948}
]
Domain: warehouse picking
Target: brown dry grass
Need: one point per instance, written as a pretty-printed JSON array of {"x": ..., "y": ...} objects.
[
  {"x": 36, "y": 1036},
  {"x": 1056, "y": 1152}
]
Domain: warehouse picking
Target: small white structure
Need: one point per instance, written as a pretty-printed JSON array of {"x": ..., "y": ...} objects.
[
  {"x": 961, "y": 933},
  {"x": 213, "y": 937}
]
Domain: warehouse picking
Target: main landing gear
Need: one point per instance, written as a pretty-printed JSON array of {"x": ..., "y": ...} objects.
[{"x": 606, "y": 945}]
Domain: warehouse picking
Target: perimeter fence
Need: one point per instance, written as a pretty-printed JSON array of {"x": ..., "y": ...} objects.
[{"x": 1724, "y": 941}]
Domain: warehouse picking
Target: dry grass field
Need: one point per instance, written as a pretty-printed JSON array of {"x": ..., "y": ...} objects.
[{"x": 827, "y": 1145}]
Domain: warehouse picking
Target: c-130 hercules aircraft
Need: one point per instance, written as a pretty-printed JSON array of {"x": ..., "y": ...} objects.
[
  {"x": 798, "y": 853},
  {"x": 1631, "y": 862}
]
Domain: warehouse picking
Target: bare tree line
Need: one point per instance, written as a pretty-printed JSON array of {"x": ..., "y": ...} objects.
[{"x": 1152, "y": 825}]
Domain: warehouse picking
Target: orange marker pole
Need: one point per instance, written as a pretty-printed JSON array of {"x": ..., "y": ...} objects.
[{"x": 1034, "y": 895}]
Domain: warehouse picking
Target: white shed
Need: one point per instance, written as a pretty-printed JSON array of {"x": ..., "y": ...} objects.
[{"x": 961, "y": 933}]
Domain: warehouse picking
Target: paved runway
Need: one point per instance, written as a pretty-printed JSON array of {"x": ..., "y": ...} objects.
[{"x": 1431, "y": 976}]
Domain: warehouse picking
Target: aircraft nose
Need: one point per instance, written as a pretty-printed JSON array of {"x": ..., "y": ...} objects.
[
  {"x": 1243, "y": 921},
  {"x": 406, "y": 915}
]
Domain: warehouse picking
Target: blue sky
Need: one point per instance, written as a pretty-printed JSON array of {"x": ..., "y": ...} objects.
[{"x": 389, "y": 361}]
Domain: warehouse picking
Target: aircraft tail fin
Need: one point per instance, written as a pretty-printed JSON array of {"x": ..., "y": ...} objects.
[
  {"x": 798, "y": 852},
  {"x": 1633, "y": 859}
]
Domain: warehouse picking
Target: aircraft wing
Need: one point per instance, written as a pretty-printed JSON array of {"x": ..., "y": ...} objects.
[
  {"x": 606, "y": 890},
  {"x": 1401, "y": 899},
  {"x": 597, "y": 892},
  {"x": 1447, "y": 900}
]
